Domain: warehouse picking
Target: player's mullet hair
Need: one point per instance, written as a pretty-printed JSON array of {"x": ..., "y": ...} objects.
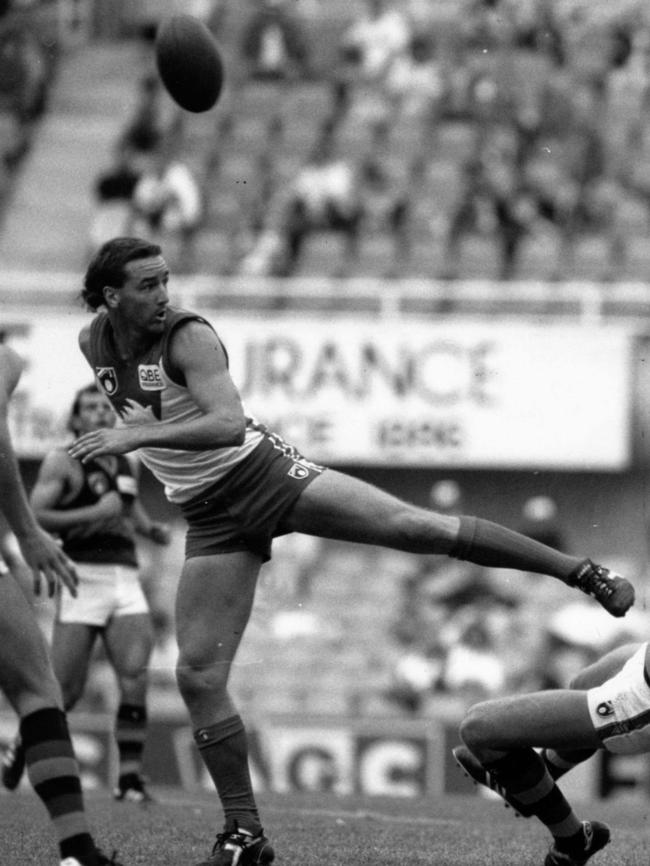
[{"x": 106, "y": 268}]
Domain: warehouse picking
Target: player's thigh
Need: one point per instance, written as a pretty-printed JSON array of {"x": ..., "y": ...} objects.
[
  {"x": 604, "y": 668},
  {"x": 336, "y": 505},
  {"x": 129, "y": 641},
  {"x": 72, "y": 646},
  {"x": 555, "y": 719},
  {"x": 26, "y": 676},
  {"x": 214, "y": 599}
]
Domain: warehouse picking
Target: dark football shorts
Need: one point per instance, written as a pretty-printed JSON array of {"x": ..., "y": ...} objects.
[{"x": 244, "y": 510}]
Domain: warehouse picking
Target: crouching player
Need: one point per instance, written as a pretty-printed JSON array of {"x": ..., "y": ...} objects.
[{"x": 606, "y": 707}]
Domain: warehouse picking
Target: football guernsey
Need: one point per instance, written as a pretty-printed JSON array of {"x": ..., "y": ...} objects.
[
  {"x": 114, "y": 543},
  {"x": 150, "y": 389}
]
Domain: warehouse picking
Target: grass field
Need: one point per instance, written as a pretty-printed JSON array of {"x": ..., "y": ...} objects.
[{"x": 322, "y": 830}]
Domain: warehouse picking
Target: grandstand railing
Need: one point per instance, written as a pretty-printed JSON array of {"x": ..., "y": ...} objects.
[{"x": 581, "y": 302}]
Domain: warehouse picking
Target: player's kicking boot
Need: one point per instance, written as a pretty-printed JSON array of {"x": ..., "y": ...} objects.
[
  {"x": 237, "y": 847},
  {"x": 595, "y": 837},
  {"x": 613, "y": 592},
  {"x": 474, "y": 770}
]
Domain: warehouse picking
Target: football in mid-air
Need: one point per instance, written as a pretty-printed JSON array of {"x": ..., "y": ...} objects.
[{"x": 189, "y": 62}]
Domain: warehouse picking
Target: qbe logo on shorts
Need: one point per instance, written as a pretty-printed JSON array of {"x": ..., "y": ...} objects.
[
  {"x": 605, "y": 708},
  {"x": 298, "y": 471},
  {"x": 150, "y": 377}
]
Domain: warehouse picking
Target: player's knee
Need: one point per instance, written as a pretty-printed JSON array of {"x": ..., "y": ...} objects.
[
  {"x": 421, "y": 530},
  {"x": 71, "y": 692},
  {"x": 476, "y": 728},
  {"x": 196, "y": 678}
]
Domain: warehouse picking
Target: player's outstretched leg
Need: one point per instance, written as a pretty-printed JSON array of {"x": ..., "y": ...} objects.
[
  {"x": 237, "y": 847},
  {"x": 13, "y": 764},
  {"x": 473, "y": 769},
  {"x": 594, "y": 838}
]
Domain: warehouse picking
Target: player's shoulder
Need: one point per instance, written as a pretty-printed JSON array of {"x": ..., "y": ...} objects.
[
  {"x": 190, "y": 330},
  {"x": 58, "y": 463},
  {"x": 11, "y": 368}
]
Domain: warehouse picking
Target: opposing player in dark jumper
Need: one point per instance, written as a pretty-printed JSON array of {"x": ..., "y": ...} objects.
[{"x": 238, "y": 485}]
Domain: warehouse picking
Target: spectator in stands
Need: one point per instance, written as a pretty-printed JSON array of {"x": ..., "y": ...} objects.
[
  {"x": 323, "y": 197},
  {"x": 385, "y": 205},
  {"x": 145, "y": 130},
  {"x": 167, "y": 201},
  {"x": 414, "y": 84},
  {"x": 25, "y": 71},
  {"x": 113, "y": 196},
  {"x": 376, "y": 39},
  {"x": 274, "y": 42}
]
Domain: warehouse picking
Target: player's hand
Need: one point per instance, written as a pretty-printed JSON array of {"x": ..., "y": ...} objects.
[
  {"x": 113, "y": 440},
  {"x": 160, "y": 533},
  {"x": 109, "y": 505},
  {"x": 46, "y": 559}
]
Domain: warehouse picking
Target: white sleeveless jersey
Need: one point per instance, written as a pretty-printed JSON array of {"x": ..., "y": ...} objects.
[{"x": 155, "y": 392}]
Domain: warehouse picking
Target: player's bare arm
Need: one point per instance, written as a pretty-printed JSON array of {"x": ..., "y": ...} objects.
[
  {"x": 41, "y": 552},
  {"x": 198, "y": 354},
  {"x": 57, "y": 475}
]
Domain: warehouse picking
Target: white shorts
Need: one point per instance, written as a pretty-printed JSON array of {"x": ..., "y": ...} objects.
[
  {"x": 103, "y": 592},
  {"x": 620, "y": 708}
]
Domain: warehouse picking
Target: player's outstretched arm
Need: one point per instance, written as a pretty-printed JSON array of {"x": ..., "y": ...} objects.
[{"x": 42, "y": 554}]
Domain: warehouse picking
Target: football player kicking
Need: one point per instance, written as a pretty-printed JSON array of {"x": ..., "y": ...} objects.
[
  {"x": 607, "y": 706},
  {"x": 238, "y": 486}
]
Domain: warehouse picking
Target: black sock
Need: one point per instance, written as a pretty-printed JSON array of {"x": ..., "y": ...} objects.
[
  {"x": 523, "y": 773},
  {"x": 130, "y": 734},
  {"x": 224, "y": 749},
  {"x": 560, "y": 762},
  {"x": 492, "y": 545}
]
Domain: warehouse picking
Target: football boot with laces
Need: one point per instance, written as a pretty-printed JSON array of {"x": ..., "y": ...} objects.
[
  {"x": 237, "y": 847},
  {"x": 596, "y": 836},
  {"x": 132, "y": 789},
  {"x": 474, "y": 770},
  {"x": 613, "y": 592}
]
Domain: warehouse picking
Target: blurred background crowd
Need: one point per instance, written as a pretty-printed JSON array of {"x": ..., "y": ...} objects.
[
  {"x": 394, "y": 138},
  {"x": 449, "y": 139}
]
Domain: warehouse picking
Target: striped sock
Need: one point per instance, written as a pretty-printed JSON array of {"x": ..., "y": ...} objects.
[
  {"x": 130, "y": 733},
  {"x": 224, "y": 749},
  {"x": 559, "y": 763},
  {"x": 54, "y": 774},
  {"x": 523, "y": 773}
]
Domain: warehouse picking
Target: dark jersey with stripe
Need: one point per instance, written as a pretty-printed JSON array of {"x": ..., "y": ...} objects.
[{"x": 111, "y": 541}]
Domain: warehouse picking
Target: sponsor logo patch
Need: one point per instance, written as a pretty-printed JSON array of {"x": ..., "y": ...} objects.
[
  {"x": 107, "y": 378},
  {"x": 150, "y": 377},
  {"x": 298, "y": 471},
  {"x": 605, "y": 708}
]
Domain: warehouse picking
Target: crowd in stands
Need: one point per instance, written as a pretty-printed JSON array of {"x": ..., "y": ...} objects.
[
  {"x": 28, "y": 60},
  {"x": 501, "y": 139}
]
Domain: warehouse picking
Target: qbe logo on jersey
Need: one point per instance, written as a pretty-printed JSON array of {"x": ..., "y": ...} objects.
[{"x": 150, "y": 377}]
